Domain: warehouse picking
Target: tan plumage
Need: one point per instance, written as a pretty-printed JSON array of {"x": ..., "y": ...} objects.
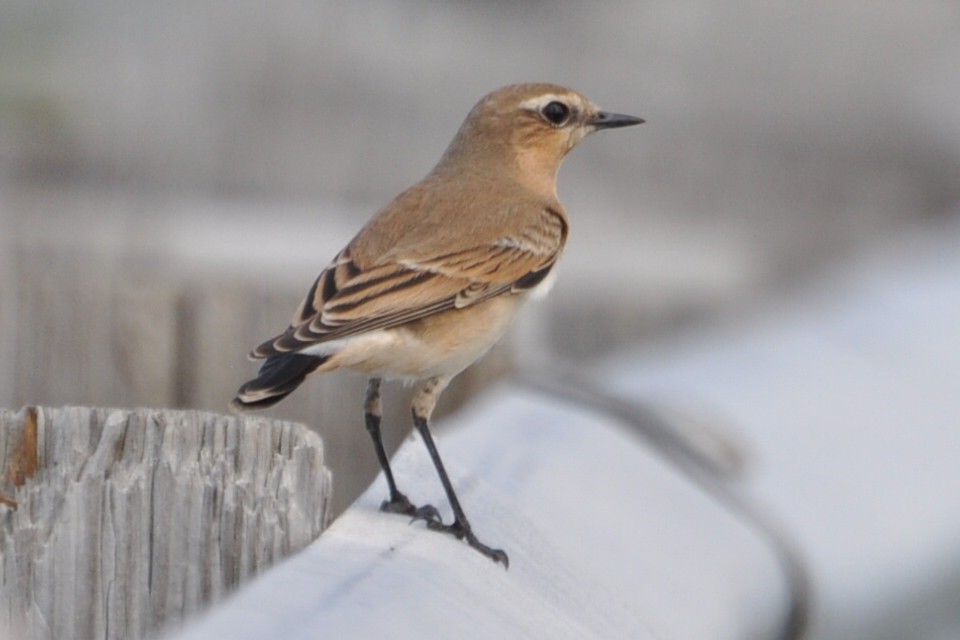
[
  {"x": 430, "y": 283},
  {"x": 362, "y": 290}
]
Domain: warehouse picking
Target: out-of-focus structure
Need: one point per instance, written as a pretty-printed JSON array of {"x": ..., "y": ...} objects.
[
  {"x": 173, "y": 176},
  {"x": 183, "y": 171}
]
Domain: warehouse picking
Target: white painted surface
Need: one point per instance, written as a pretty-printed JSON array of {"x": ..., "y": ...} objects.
[
  {"x": 605, "y": 541},
  {"x": 849, "y": 399},
  {"x": 843, "y": 403}
]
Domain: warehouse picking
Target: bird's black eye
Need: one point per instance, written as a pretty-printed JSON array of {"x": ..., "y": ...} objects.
[{"x": 556, "y": 112}]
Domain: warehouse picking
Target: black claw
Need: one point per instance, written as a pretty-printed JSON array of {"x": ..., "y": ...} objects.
[
  {"x": 451, "y": 529},
  {"x": 398, "y": 504},
  {"x": 499, "y": 555},
  {"x": 463, "y": 532},
  {"x": 428, "y": 513},
  {"x": 402, "y": 505}
]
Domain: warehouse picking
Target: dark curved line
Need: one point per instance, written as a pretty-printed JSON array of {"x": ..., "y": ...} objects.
[
  {"x": 417, "y": 279},
  {"x": 350, "y": 289},
  {"x": 532, "y": 279}
]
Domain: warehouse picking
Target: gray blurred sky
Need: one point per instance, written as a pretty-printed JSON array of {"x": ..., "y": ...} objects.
[
  {"x": 781, "y": 131},
  {"x": 240, "y": 143},
  {"x": 355, "y": 100}
]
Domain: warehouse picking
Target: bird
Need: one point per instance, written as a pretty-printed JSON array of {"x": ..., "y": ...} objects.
[{"x": 431, "y": 282}]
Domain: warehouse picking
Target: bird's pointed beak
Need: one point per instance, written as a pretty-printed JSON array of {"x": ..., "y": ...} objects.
[{"x": 607, "y": 120}]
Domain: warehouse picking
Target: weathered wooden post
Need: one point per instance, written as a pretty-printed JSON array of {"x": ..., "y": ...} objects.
[{"x": 115, "y": 523}]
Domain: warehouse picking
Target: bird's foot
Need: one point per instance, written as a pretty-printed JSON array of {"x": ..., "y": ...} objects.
[
  {"x": 402, "y": 505},
  {"x": 463, "y": 531}
]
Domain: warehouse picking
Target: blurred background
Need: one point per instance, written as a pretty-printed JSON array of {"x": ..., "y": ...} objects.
[{"x": 174, "y": 175}]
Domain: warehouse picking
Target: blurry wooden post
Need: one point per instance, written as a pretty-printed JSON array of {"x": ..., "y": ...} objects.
[
  {"x": 116, "y": 523},
  {"x": 81, "y": 329}
]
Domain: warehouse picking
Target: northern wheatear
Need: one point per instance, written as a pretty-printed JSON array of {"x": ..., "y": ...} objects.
[{"x": 431, "y": 282}]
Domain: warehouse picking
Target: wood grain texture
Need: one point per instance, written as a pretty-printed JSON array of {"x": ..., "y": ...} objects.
[{"x": 117, "y": 523}]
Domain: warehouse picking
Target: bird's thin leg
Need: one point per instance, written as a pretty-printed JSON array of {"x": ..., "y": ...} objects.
[
  {"x": 423, "y": 404},
  {"x": 397, "y": 503}
]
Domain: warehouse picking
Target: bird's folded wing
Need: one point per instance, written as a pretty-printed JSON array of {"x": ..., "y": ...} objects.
[{"x": 346, "y": 300}]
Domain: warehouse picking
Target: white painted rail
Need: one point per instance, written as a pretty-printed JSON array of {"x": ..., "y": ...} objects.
[{"x": 841, "y": 407}]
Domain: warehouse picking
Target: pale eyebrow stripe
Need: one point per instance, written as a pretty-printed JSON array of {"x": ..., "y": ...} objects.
[{"x": 535, "y": 104}]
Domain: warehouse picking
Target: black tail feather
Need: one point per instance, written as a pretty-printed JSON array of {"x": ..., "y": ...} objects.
[{"x": 278, "y": 377}]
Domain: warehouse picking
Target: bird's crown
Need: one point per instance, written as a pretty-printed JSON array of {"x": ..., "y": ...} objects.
[{"x": 530, "y": 127}]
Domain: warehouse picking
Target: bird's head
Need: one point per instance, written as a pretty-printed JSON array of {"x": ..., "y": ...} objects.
[{"x": 529, "y": 128}]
